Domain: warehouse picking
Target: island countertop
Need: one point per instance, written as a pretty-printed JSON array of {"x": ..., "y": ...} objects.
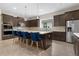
[
  {"x": 76, "y": 34},
  {"x": 32, "y": 29},
  {"x": 40, "y": 30}
]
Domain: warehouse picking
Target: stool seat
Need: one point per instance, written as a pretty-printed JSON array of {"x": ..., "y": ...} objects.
[{"x": 25, "y": 34}]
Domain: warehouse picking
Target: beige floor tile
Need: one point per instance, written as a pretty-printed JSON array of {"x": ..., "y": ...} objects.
[{"x": 9, "y": 48}]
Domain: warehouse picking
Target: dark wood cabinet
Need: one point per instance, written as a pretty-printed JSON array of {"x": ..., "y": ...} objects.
[
  {"x": 8, "y": 23},
  {"x": 56, "y": 20},
  {"x": 76, "y": 44},
  {"x": 32, "y": 23},
  {"x": 59, "y": 20},
  {"x": 62, "y": 20},
  {"x": 60, "y": 36},
  {"x": 76, "y": 15},
  {"x": 72, "y": 15},
  {"x": 8, "y": 19},
  {"x": 68, "y": 16}
]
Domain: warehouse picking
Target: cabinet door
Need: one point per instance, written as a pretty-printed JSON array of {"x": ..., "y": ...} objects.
[
  {"x": 6, "y": 18},
  {"x": 72, "y": 15},
  {"x": 62, "y": 20},
  {"x": 59, "y": 20},
  {"x": 74, "y": 42},
  {"x": 56, "y": 20},
  {"x": 75, "y": 15},
  {"x": 60, "y": 36},
  {"x": 68, "y": 16},
  {"x": 27, "y": 24},
  {"x": 76, "y": 45},
  {"x": 32, "y": 23}
]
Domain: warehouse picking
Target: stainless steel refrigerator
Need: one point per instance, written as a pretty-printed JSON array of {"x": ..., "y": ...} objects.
[{"x": 71, "y": 27}]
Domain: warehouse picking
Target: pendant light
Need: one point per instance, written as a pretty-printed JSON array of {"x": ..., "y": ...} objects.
[
  {"x": 25, "y": 13},
  {"x": 37, "y": 11}
]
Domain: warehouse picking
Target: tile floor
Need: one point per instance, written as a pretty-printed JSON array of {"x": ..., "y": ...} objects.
[{"x": 9, "y": 48}]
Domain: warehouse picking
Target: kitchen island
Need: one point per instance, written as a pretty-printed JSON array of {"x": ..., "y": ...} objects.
[{"x": 46, "y": 33}]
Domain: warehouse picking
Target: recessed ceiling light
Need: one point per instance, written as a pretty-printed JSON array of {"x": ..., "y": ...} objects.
[{"x": 14, "y": 8}]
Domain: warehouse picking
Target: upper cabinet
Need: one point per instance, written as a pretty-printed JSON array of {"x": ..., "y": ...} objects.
[
  {"x": 32, "y": 23},
  {"x": 7, "y": 19},
  {"x": 17, "y": 21},
  {"x": 14, "y": 21},
  {"x": 72, "y": 15},
  {"x": 59, "y": 20}
]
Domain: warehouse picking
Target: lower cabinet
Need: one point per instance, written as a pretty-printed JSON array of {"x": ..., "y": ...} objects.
[
  {"x": 76, "y": 45},
  {"x": 60, "y": 36}
]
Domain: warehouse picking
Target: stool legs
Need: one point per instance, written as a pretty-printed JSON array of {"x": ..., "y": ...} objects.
[
  {"x": 21, "y": 40},
  {"x": 31, "y": 43},
  {"x": 13, "y": 40},
  {"x": 37, "y": 44},
  {"x": 26, "y": 41}
]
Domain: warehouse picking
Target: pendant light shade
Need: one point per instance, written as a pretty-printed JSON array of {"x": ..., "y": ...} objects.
[
  {"x": 38, "y": 17},
  {"x": 25, "y": 19},
  {"x": 37, "y": 11}
]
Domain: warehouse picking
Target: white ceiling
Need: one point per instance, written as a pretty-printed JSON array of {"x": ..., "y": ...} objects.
[{"x": 34, "y": 9}]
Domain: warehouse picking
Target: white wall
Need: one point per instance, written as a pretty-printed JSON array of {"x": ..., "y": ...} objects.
[
  {"x": 13, "y": 14},
  {"x": 0, "y": 26},
  {"x": 9, "y": 13}
]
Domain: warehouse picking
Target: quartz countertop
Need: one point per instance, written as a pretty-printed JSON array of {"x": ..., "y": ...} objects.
[
  {"x": 40, "y": 30},
  {"x": 32, "y": 29},
  {"x": 59, "y": 29},
  {"x": 76, "y": 34}
]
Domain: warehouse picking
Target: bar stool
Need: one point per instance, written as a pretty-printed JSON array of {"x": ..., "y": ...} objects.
[
  {"x": 36, "y": 37},
  {"x": 14, "y": 33},
  {"x": 19, "y": 36},
  {"x": 25, "y": 36}
]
